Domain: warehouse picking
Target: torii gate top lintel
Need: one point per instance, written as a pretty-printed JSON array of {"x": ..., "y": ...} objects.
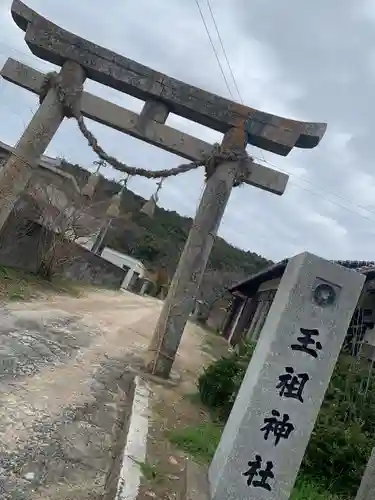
[{"x": 269, "y": 132}]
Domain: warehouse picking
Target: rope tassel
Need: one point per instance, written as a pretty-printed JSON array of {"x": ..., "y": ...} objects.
[
  {"x": 149, "y": 207},
  {"x": 92, "y": 183},
  {"x": 114, "y": 209},
  {"x": 89, "y": 189}
]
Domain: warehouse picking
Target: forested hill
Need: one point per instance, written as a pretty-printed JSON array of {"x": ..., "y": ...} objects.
[{"x": 160, "y": 240}]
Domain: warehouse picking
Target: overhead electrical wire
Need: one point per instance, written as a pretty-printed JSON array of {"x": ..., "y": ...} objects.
[
  {"x": 263, "y": 159},
  {"x": 225, "y": 55},
  {"x": 214, "y": 49},
  {"x": 261, "y": 151},
  {"x": 224, "y": 51},
  {"x": 332, "y": 193}
]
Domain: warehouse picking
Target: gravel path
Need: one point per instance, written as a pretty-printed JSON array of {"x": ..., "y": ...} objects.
[{"x": 60, "y": 362}]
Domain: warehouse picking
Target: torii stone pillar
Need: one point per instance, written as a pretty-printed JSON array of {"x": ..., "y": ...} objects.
[
  {"x": 17, "y": 171},
  {"x": 269, "y": 132}
]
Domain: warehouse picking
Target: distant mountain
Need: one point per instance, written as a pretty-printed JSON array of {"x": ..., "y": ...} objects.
[{"x": 159, "y": 241}]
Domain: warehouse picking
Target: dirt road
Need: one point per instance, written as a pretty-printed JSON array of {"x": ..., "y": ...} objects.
[{"x": 59, "y": 362}]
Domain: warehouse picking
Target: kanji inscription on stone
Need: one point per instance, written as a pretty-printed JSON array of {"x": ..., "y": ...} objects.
[
  {"x": 291, "y": 385},
  {"x": 267, "y": 432},
  {"x": 306, "y": 342},
  {"x": 280, "y": 428},
  {"x": 255, "y": 471}
]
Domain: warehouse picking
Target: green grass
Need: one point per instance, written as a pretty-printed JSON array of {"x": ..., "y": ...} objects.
[
  {"x": 193, "y": 397},
  {"x": 149, "y": 471},
  {"x": 200, "y": 443},
  {"x": 306, "y": 489},
  {"x": 16, "y": 285}
]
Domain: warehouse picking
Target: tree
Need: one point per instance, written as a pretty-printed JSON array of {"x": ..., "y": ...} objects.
[
  {"x": 214, "y": 290},
  {"x": 167, "y": 232},
  {"x": 64, "y": 222}
]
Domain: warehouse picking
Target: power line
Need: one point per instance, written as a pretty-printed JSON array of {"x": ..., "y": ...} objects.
[
  {"x": 295, "y": 184},
  {"x": 225, "y": 55},
  {"x": 263, "y": 159},
  {"x": 335, "y": 203},
  {"x": 14, "y": 49},
  {"x": 223, "y": 49},
  {"x": 214, "y": 49},
  {"x": 332, "y": 193},
  {"x": 227, "y": 60}
]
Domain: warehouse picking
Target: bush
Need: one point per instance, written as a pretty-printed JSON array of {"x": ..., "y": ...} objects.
[
  {"x": 306, "y": 489},
  {"x": 220, "y": 382},
  {"x": 216, "y": 385},
  {"x": 344, "y": 433},
  {"x": 343, "y": 436}
]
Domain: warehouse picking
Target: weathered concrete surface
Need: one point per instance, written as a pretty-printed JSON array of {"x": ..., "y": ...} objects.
[
  {"x": 61, "y": 362},
  {"x": 287, "y": 378},
  {"x": 185, "y": 283},
  {"x": 130, "y": 443}
]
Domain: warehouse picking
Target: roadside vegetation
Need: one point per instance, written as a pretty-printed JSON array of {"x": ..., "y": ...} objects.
[
  {"x": 19, "y": 286},
  {"x": 340, "y": 444}
]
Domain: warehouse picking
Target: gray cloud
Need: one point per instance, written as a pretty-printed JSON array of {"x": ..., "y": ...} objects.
[{"x": 312, "y": 61}]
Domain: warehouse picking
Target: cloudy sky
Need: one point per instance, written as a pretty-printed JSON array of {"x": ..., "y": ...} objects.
[{"x": 313, "y": 61}]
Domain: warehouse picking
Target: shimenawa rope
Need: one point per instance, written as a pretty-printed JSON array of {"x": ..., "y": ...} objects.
[{"x": 70, "y": 99}]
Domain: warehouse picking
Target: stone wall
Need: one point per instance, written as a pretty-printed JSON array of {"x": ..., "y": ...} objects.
[
  {"x": 53, "y": 197},
  {"x": 24, "y": 242},
  {"x": 20, "y": 242},
  {"x": 216, "y": 319}
]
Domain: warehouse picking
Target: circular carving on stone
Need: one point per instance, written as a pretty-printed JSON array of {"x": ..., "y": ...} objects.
[{"x": 324, "y": 295}]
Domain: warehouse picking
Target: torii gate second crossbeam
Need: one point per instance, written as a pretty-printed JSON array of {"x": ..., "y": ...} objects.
[{"x": 241, "y": 125}]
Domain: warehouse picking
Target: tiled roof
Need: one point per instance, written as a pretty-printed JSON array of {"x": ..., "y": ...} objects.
[
  {"x": 362, "y": 266},
  {"x": 358, "y": 265}
]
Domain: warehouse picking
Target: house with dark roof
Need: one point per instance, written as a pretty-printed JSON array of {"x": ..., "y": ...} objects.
[{"x": 252, "y": 299}]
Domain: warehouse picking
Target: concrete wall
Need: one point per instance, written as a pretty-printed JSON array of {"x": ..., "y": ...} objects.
[
  {"x": 45, "y": 161},
  {"x": 23, "y": 242},
  {"x": 20, "y": 242}
]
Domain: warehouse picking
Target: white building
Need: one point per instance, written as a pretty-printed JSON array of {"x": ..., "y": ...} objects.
[{"x": 135, "y": 267}]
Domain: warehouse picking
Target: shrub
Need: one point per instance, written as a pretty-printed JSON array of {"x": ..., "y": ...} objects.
[
  {"x": 343, "y": 436},
  {"x": 344, "y": 433},
  {"x": 220, "y": 382},
  {"x": 216, "y": 385}
]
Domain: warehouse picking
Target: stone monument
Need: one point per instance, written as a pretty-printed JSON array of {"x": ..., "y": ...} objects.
[
  {"x": 367, "y": 488},
  {"x": 266, "y": 435}
]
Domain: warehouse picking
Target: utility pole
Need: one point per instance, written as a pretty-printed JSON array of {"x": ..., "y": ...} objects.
[
  {"x": 101, "y": 237},
  {"x": 182, "y": 292},
  {"x": 17, "y": 171}
]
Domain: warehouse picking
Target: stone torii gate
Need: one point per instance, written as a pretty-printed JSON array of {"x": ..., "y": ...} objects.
[{"x": 241, "y": 125}]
